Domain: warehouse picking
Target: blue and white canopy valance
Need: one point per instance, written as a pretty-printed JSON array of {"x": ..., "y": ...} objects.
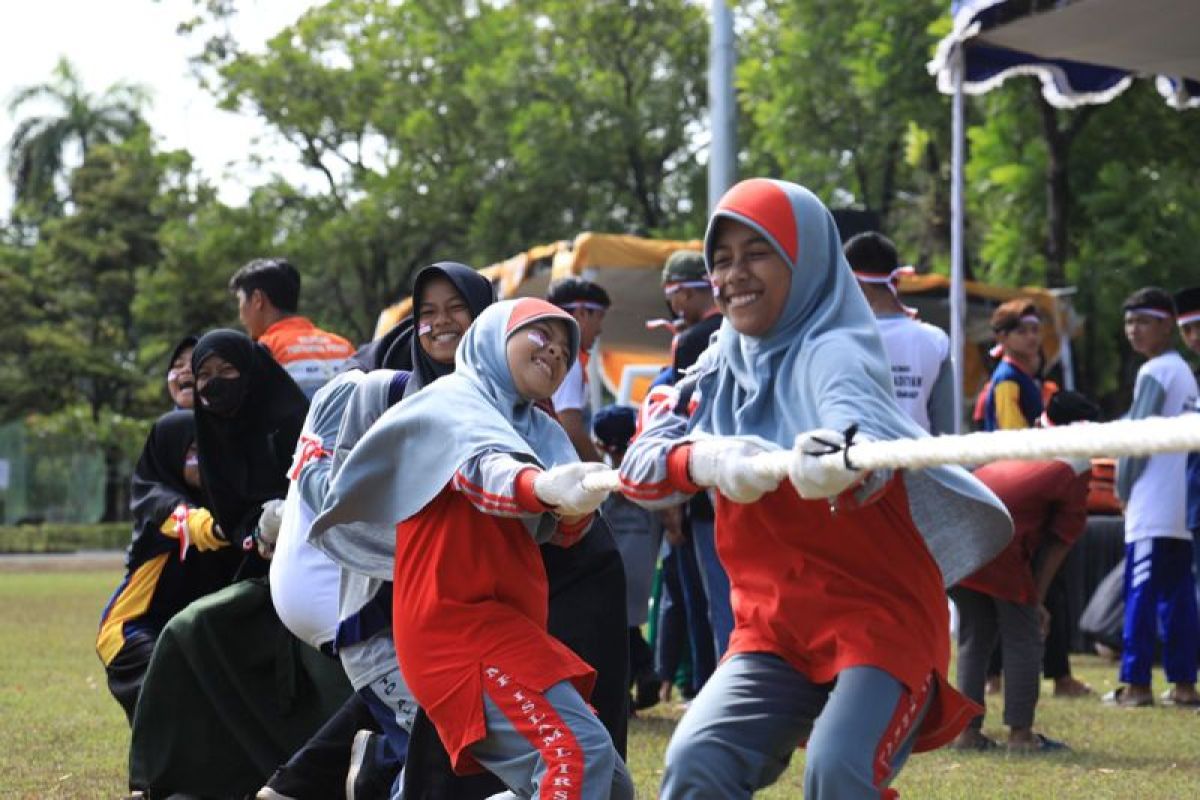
[{"x": 1083, "y": 51}]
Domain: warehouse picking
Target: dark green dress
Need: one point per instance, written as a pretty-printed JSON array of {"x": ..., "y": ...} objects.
[{"x": 229, "y": 695}]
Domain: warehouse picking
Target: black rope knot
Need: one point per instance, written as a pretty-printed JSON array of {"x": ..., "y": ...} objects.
[{"x": 849, "y": 437}]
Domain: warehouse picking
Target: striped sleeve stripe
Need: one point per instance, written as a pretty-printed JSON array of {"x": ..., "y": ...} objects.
[
  {"x": 647, "y": 491},
  {"x": 482, "y": 498}
]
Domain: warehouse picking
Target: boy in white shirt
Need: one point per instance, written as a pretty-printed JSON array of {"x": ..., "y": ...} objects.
[
  {"x": 919, "y": 353},
  {"x": 1159, "y": 585}
]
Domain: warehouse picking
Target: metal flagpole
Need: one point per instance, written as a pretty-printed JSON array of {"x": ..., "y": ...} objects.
[
  {"x": 957, "y": 288},
  {"x": 722, "y": 109}
]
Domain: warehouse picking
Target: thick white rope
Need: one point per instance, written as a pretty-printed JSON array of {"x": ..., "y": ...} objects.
[{"x": 1108, "y": 439}]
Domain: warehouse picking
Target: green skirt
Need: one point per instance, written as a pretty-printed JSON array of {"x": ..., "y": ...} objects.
[{"x": 229, "y": 695}]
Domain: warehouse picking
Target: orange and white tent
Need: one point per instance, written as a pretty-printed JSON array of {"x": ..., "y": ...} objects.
[{"x": 629, "y": 268}]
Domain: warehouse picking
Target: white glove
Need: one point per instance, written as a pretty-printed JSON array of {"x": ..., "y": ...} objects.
[
  {"x": 723, "y": 464},
  {"x": 561, "y": 488},
  {"x": 269, "y": 521},
  {"x": 815, "y": 477}
]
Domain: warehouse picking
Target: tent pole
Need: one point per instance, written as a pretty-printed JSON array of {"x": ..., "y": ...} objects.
[
  {"x": 722, "y": 109},
  {"x": 957, "y": 288}
]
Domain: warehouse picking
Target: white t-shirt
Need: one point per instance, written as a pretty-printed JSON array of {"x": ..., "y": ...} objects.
[
  {"x": 916, "y": 350},
  {"x": 304, "y": 581},
  {"x": 1157, "y": 503},
  {"x": 572, "y": 394}
]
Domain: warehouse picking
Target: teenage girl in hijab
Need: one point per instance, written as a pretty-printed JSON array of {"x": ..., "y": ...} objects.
[
  {"x": 841, "y": 635},
  {"x": 175, "y": 556},
  {"x": 228, "y": 684},
  {"x": 181, "y": 384},
  {"x": 484, "y": 476},
  {"x": 305, "y": 582},
  {"x": 248, "y": 417}
]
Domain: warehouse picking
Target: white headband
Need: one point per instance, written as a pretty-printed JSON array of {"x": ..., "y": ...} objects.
[
  {"x": 1191, "y": 316},
  {"x": 1157, "y": 313},
  {"x": 671, "y": 288},
  {"x": 585, "y": 304},
  {"x": 894, "y": 275},
  {"x": 891, "y": 279}
]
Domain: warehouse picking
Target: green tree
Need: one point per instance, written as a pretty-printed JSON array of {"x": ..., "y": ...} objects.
[
  {"x": 469, "y": 131},
  {"x": 1130, "y": 179},
  {"x": 84, "y": 272},
  {"x": 834, "y": 91},
  {"x": 40, "y": 146}
]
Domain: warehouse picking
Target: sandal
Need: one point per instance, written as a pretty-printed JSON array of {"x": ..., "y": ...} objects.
[
  {"x": 1120, "y": 698},
  {"x": 1040, "y": 744},
  {"x": 1168, "y": 698},
  {"x": 979, "y": 744}
]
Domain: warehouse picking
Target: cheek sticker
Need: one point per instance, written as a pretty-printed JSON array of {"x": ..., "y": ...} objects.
[
  {"x": 537, "y": 338},
  {"x": 424, "y": 329}
]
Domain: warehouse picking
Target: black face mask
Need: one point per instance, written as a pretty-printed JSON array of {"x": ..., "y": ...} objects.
[{"x": 223, "y": 396}]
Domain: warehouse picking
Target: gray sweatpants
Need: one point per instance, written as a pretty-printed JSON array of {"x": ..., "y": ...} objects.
[
  {"x": 981, "y": 620},
  {"x": 741, "y": 730},
  {"x": 548, "y": 745}
]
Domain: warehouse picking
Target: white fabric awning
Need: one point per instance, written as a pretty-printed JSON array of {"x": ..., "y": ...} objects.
[{"x": 1149, "y": 37}]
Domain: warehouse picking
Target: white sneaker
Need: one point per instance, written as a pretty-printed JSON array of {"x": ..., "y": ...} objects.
[{"x": 267, "y": 793}]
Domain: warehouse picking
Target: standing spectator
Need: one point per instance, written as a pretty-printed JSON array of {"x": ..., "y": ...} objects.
[
  {"x": 919, "y": 353},
  {"x": 587, "y": 581},
  {"x": 1160, "y": 589},
  {"x": 181, "y": 383},
  {"x": 1014, "y": 395},
  {"x": 1006, "y": 600},
  {"x": 268, "y": 295},
  {"x": 1015, "y": 398},
  {"x": 587, "y": 302},
  {"x": 638, "y": 535},
  {"x": 689, "y": 294},
  {"x": 1187, "y": 303}
]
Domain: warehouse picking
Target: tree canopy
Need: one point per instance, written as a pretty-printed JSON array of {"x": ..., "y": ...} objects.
[{"x": 471, "y": 130}]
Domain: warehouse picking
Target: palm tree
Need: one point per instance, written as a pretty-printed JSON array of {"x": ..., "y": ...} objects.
[{"x": 39, "y": 147}]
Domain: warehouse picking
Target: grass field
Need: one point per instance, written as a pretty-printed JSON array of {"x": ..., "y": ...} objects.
[{"x": 65, "y": 737}]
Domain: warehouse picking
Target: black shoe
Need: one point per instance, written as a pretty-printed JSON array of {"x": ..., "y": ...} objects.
[
  {"x": 368, "y": 778},
  {"x": 646, "y": 688}
]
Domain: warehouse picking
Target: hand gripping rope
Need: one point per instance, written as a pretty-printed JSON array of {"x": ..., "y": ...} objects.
[{"x": 1142, "y": 437}]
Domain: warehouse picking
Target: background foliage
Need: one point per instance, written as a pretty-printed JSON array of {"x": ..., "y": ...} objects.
[{"x": 471, "y": 130}]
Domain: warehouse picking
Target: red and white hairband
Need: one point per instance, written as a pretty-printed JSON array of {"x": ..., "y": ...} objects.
[
  {"x": 1157, "y": 313},
  {"x": 670, "y": 324},
  {"x": 891, "y": 279},
  {"x": 671, "y": 288},
  {"x": 1190, "y": 317}
]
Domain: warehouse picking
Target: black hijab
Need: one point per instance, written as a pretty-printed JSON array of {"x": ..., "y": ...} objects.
[
  {"x": 374, "y": 355},
  {"x": 157, "y": 489},
  {"x": 184, "y": 344},
  {"x": 475, "y": 289},
  {"x": 244, "y": 455},
  {"x": 158, "y": 486},
  {"x": 400, "y": 348}
]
